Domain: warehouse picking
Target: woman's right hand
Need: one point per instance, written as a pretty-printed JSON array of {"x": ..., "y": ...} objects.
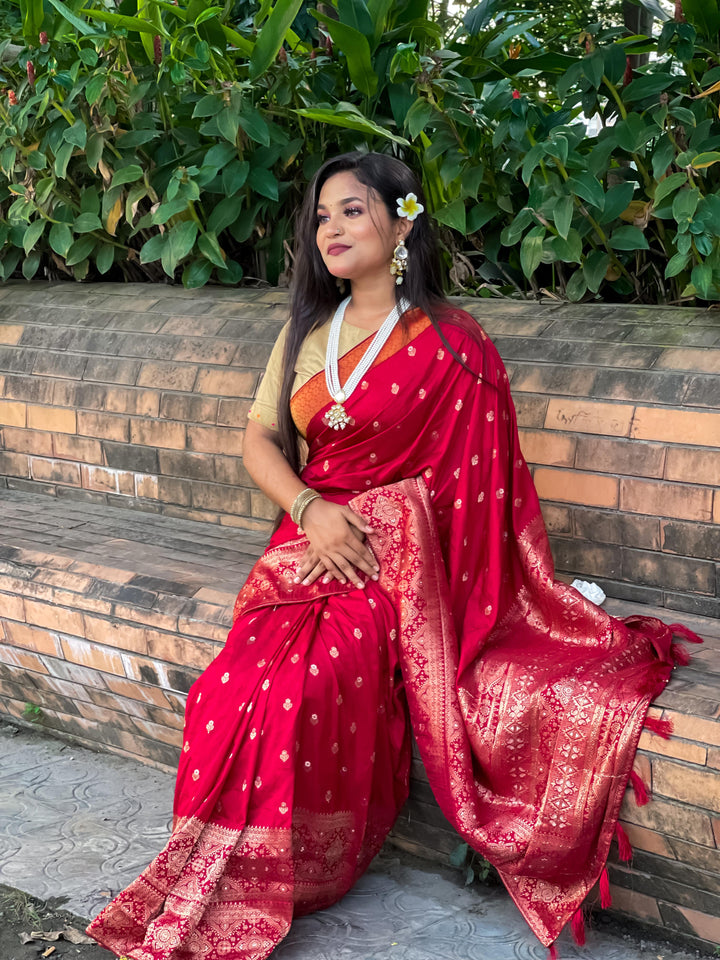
[{"x": 337, "y": 548}]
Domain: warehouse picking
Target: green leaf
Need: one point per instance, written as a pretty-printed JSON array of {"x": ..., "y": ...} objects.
[
  {"x": 208, "y": 106},
  {"x": 94, "y": 150},
  {"x": 31, "y": 264},
  {"x": 197, "y": 274},
  {"x": 210, "y": 248},
  {"x": 227, "y": 124},
  {"x": 480, "y": 214},
  {"x": 43, "y": 189},
  {"x": 616, "y": 201},
  {"x": 633, "y": 133},
  {"x": 179, "y": 243},
  {"x": 220, "y": 154},
  {"x": 703, "y": 160},
  {"x": 128, "y": 174},
  {"x": 234, "y": 177},
  {"x": 570, "y": 250},
  {"x": 701, "y": 279},
  {"x": 346, "y": 115},
  {"x": 669, "y": 185},
  {"x": 595, "y": 268},
  {"x": 171, "y": 208},
  {"x": 7, "y": 160},
  {"x": 272, "y": 36},
  {"x": 532, "y": 159},
  {"x": 33, "y": 232},
  {"x": 531, "y": 250},
  {"x": 453, "y": 215},
  {"x": 704, "y": 15},
  {"x": 76, "y": 134},
  {"x": 36, "y": 160},
  {"x": 87, "y": 222},
  {"x": 104, "y": 258},
  {"x": 255, "y": 126},
  {"x": 588, "y": 188},
  {"x": 81, "y": 249},
  {"x": 132, "y": 24},
  {"x": 67, "y": 13},
  {"x": 60, "y": 238},
  {"x": 563, "y": 214},
  {"x": 208, "y": 14},
  {"x": 62, "y": 159},
  {"x": 152, "y": 249},
  {"x": 94, "y": 87},
  {"x": 224, "y": 213},
  {"x": 628, "y": 238},
  {"x": 459, "y": 855},
  {"x": 264, "y": 182},
  {"x": 356, "y": 14},
  {"x": 651, "y": 85},
  {"x": 685, "y": 204},
  {"x": 232, "y": 273},
  {"x": 356, "y": 48},
  {"x": 418, "y": 116},
  {"x": 676, "y": 264},
  {"x": 576, "y": 286}
]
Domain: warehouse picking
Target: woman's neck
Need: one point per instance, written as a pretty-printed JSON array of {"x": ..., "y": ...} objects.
[{"x": 370, "y": 304}]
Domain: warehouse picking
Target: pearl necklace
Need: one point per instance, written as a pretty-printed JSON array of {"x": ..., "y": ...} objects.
[{"x": 337, "y": 417}]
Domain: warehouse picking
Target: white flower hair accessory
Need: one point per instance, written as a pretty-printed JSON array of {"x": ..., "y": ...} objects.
[{"x": 409, "y": 207}]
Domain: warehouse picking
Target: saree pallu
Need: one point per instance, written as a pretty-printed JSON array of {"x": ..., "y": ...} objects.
[{"x": 525, "y": 699}]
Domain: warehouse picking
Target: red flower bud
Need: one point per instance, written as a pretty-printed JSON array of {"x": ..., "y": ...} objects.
[
  {"x": 43, "y": 38},
  {"x": 627, "y": 78},
  {"x": 516, "y": 94},
  {"x": 282, "y": 55},
  {"x": 679, "y": 15},
  {"x": 157, "y": 49},
  {"x": 31, "y": 73},
  {"x": 313, "y": 54},
  {"x": 12, "y": 98},
  {"x": 329, "y": 46}
]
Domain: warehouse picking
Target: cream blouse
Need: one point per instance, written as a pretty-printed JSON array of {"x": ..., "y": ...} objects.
[{"x": 311, "y": 360}]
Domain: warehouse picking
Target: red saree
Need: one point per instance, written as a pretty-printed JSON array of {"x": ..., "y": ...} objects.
[{"x": 526, "y": 700}]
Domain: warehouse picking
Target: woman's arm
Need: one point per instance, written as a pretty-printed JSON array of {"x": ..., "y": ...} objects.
[{"x": 335, "y": 532}]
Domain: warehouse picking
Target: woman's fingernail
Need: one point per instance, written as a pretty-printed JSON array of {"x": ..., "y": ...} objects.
[
  {"x": 361, "y": 585},
  {"x": 375, "y": 576},
  {"x": 296, "y": 580},
  {"x": 326, "y": 579},
  {"x": 306, "y": 582}
]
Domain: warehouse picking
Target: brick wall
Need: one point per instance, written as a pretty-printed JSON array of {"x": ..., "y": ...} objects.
[{"x": 137, "y": 396}]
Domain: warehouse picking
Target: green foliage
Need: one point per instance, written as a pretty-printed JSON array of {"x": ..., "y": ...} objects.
[
  {"x": 159, "y": 141},
  {"x": 471, "y": 865}
]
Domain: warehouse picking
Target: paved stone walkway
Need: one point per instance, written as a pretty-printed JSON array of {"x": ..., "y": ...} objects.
[{"x": 82, "y": 825}]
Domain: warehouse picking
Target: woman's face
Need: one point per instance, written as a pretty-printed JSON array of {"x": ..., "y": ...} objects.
[{"x": 356, "y": 235}]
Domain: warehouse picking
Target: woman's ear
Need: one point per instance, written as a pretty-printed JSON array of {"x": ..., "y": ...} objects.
[{"x": 402, "y": 229}]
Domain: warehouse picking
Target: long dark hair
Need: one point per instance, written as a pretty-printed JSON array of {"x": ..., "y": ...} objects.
[{"x": 315, "y": 294}]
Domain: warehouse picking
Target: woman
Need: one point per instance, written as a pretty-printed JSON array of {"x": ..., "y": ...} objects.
[{"x": 409, "y": 585}]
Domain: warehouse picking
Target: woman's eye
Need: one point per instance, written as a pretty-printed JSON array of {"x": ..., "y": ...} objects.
[
  {"x": 321, "y": 218},
  {"x": 352, "y": 211}
]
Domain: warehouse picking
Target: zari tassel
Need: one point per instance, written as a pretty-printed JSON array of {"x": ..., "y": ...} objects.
[
  {"x": 552, "y": 952},
  {"x": 663, "y": 728},
  {"x": 625, "y": 850},
  {"x": 605, "y": 895},
  {"x": 682, "y": 631},
  {"x": 577, "y": 926},
  {"x": 679, "y": 654},
  {"x": 641, "y": 793}
]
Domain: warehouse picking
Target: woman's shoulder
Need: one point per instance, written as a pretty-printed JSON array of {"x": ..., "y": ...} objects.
[{"x": 464, "y": 332}]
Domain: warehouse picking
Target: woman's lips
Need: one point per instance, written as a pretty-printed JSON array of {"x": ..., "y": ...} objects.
[{"x": 336, "y": 248}]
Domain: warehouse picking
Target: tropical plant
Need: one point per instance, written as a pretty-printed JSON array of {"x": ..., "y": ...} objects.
[{"x": 156, "y": 140}]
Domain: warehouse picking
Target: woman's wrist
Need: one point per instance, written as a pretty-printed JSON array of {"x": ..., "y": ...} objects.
[{"x": 301, "y": 502}]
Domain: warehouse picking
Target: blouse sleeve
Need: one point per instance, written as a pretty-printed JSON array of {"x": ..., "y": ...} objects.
[{"x": 265, "y": 406}]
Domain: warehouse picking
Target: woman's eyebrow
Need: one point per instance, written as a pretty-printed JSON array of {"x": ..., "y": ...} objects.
[{"x": 321, "y": 206}]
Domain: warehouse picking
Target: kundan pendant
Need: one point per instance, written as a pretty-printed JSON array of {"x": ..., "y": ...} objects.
[{"x": 337, "y": 416}]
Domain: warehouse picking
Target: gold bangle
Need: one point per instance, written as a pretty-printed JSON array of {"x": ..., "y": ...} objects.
[{"x": 300, "y": 504}]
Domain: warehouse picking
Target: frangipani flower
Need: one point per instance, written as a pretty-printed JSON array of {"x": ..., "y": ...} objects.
[{"x": 409, "y": 207}]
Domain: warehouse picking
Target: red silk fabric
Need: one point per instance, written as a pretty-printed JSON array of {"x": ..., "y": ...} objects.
[{"x": 525, "y": 699}]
